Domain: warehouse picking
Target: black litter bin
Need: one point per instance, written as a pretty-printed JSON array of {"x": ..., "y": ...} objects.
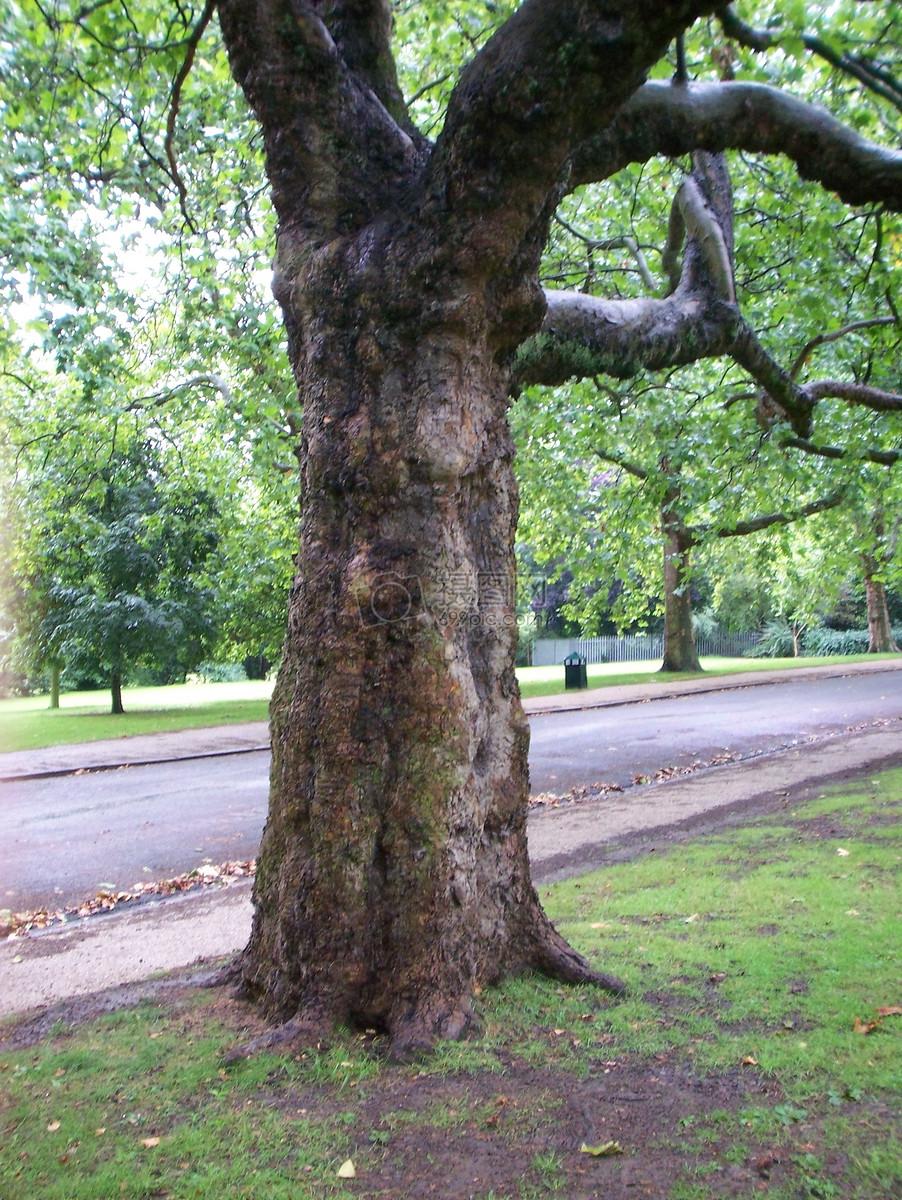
[{"x": 575, "y": 671}]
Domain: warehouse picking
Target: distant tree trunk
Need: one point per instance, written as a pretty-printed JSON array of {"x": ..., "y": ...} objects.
[
  {"x": 256, "y": 666},
  {"x": 54, "y": 685},
  {"x": 680, "y": 651},
  {"x": 116, "y": 690},
  {"x": 880, "y": 634}
]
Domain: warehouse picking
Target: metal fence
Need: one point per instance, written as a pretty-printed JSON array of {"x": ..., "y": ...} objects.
[{"x": 551, "y": 652}]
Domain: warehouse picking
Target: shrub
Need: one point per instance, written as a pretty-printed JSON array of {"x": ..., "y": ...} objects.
[
  {"x": 775, "y": 642},
  {"x": 220, "y": 673},
  {"x": 839, "y": 641}
]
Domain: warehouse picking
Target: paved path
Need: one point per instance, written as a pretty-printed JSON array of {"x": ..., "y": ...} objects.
[{"x": 134, "y": 943}]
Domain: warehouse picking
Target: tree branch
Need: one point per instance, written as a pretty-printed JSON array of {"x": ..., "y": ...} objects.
[
  {"x": 662, "y": 119},
  {"x": 768, "y": 520},
  {"x": 854, "y": 393},
  {"x": 626, "y": 464},
  {"x": 362, "y": 30},
  {"x": 673, "y": 247},
  {"x": 624, "y": 242},
  {"x": 584, "y": 335},
  {"x": 701, "y": 223},
  {"x": 792, "y": 401},
  {"x": 175, "y": 97},
  {"x": 156, "y": 399},
  {"x": 335, "y": 154},
  {"x": 874, "y": 79},
  {"x": 823, "y": 338},
  {"x": 884, "y": 458}
]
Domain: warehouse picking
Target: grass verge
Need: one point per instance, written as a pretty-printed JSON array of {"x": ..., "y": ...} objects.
[
  {"x": 751, "y": 1055},
  {"x": 28, "y": 724},
  {"x": 549, "y": 681}
]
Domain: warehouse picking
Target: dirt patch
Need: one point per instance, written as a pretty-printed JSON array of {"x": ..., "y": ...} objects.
[
  {"x": 518, "y": 1130},
  {"x": 526, "y": 1128}
]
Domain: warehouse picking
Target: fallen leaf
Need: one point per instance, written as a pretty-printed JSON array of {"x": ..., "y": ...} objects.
[
  {"x": 53, "y": 1126},
  {"x": 748, "y": 1061},
  {"x": 602, "y": 1151},
  {"x": 100, "y": 1132},
  {"x": 346, "y": 1170},
  {"x": 842, "y": 853},
  {"x": 865, "y": 1026},
  {"x": 893, "y": 1011},
  {"x": 150, "y": 1142}
]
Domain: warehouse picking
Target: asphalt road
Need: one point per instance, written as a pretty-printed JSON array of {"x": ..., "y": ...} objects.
[
  {"x": 62, "y": 839},
  {"x": 615, "y": 744}
]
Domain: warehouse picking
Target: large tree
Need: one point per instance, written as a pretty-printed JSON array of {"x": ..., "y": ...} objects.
[{"x": 393, "y": 878}]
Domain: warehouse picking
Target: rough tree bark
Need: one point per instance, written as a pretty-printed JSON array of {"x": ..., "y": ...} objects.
[{"x": 393, "y": 878}]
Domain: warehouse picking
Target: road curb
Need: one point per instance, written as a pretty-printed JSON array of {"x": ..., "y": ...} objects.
[{"x": 95, "y": 768}]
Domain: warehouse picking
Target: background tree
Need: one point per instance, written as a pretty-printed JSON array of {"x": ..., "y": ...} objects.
[
  {"x": 655, "y": 471},
  {"x": 253, "y": 574},
  {"x": 129, "y": 529},
  {"x": 126, "y": 573}
]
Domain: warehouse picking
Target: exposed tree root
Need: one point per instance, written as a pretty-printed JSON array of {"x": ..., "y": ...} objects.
[
  {"x": 415, "y": 1030},
  {"x": 227, "y": 975},
  {"x": 304, "y": 1030},
  {"x": 556, "y": 958}
]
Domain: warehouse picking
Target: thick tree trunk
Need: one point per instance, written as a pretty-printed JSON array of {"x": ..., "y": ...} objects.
[
  {"x": 680, "y": 651},
  {"x": 116, "y": 693},
  {"x": 880, "y": 633},
  {"x": 393, "y": 877},
  {"x": 54, "y": 685}
]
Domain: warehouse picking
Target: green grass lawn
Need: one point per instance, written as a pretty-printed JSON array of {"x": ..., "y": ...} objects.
[
  {"x": 29, "y": 724},
  {"x": 549, "y": 681},
  {"x": 750, "y": 1055}
]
